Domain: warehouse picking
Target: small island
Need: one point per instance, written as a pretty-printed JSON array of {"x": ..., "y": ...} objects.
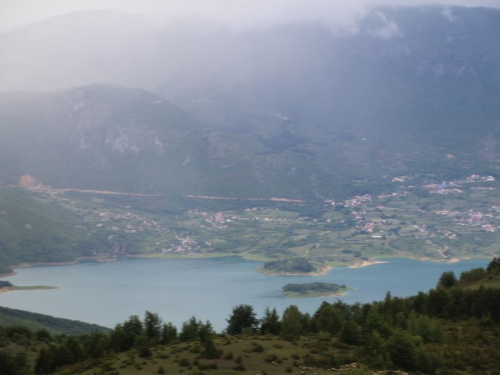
[
  {"x": 316, "y": 289},
  {"x": 6, "y": 286},
  {"x": 289, "y": 266}
]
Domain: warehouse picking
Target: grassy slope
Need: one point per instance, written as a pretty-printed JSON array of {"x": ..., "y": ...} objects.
[
  {"x": 489, "y": 282},
  {"x": 169, "y": 357},
  {"x": 34, "y": 321},
  {"x": 32, "y": 230}
]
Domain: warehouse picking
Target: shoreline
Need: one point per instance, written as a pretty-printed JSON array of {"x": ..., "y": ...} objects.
[
  {"x": 321, "y": 272},
  {"x": 15, "y": 288},
  {"x": 8, "y": 274},
  {"x": 367, "y": 263},
  {"x": 340, "y": 294},
  {"x": 97, "y": 259},
  {"x": 317, "y": 295}
]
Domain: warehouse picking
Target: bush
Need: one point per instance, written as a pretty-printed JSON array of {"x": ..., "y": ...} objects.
[
  {"x": 207, "y": 366},
  {"x": 161, "y": 370},
  {"x": 258, "y": 348},
  {"x": 271, "y": 358},
  {"x": 184, "y": 362}
]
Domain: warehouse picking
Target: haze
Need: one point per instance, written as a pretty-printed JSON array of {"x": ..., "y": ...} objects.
[{"x": 238, "y": 14}]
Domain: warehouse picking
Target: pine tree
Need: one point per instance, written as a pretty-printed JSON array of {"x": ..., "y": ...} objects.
[
  {"x": 42, "y": 364},
  {"x": 291, "y": 325},
  {"x": 142, "y": 345},
  {"x": 152, "y": 326},
  {"x": 190, "y": 330},
  {"x": 375, "y": 350},
  {"x": 494, "y": 266},
  {"x": 210, "y": 350},
  {"x": 328, "y": 319},
  {"x": 205, "y": 332},
  {"x": 118, "y": 339},
  {"x": 402, "y": 348},
  {"x": 243, "y": 316},
  {"x": 351, "y": 333},
  {"x": 447, "y": 280},
  {"x": 132, "y": 328},
  {"x": 168, "y": 333},
  {"x": 270, "y": 323},
  {"x": 75, "y": 350}
]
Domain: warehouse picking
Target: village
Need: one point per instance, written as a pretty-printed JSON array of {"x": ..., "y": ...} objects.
[{"x": 363, "y": 225}]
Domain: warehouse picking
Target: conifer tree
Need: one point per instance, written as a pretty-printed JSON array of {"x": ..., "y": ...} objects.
[
  {"x": 447, "y": 280},
  {"x": 152, "y": 326},
  {"x": 351, "y": 333},
  {"x": 270, "y": 323},
  {"x": 243, "y": 316},
  {"x": 291, "y": 324},
  {"x": 168, "y": 333}
]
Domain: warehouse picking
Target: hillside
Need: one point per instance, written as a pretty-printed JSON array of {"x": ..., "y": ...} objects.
[
  {"x": 317, "y": 116},
  {"x": 35, "y": 322},
  {"x": 35, "y": 230}
]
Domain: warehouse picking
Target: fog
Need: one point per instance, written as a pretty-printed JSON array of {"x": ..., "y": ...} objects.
[{"x": 237, "y": 14}]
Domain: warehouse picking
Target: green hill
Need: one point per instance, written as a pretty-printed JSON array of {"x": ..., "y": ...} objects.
[
  {"x": 33, "y": 230},
  {"x": 34, "y": 321}
]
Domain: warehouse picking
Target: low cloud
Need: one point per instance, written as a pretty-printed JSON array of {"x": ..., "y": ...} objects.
[
  {"x": 338, "y": 14},
  {"x": 385, "y": 29},
  {"x": 448, "y": 14}
]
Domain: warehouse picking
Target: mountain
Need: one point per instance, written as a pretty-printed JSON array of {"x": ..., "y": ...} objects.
[{"x": 296, "y": 110}]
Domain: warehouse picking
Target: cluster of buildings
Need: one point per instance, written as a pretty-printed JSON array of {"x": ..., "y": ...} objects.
[
  {"x": 358, "y": 200},
  {"x": 472, "y": 218},
  {"x": 130, "y": 222},
  {"x": 184, "y": 245}
]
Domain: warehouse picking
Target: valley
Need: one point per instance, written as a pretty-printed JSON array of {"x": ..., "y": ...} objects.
[
  {"x": 329, "y": 170},
  {"x": 417, "y": 218}
]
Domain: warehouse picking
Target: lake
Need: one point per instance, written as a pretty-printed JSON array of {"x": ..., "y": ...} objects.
[{"x": 107, "y": 293}]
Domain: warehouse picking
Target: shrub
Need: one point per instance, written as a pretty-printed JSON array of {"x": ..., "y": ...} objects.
[
  {"x": 258, "y": 348},
  {"x": 271, "y": 358},
  {"x": 207, "y": 366},
  {"x": 184, "y": 362}
]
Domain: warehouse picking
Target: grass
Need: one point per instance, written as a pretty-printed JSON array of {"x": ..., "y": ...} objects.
[
  {"x": 489, "y": 282},
  {"x": 259, "y": 355}
]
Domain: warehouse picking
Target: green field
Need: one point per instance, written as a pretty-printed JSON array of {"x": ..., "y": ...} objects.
[{"x": 415, "y": 219}]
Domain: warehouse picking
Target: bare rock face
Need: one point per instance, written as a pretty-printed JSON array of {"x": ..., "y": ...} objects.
[
  {"x": 133, "y": 140},
  {"x": 29, "y": 181}
]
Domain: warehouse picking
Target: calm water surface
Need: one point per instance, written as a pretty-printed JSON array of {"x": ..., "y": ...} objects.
[{"x": 107, "y": 293}]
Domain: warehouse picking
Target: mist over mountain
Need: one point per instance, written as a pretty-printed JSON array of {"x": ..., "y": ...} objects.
[{"x": 295, "y": 109}]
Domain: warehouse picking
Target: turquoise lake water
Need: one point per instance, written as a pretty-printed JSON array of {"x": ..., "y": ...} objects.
[{"x": 107, "y": 293}]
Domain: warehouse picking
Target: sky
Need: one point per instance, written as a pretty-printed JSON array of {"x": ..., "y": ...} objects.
[{"x": 239, "y": 13}]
